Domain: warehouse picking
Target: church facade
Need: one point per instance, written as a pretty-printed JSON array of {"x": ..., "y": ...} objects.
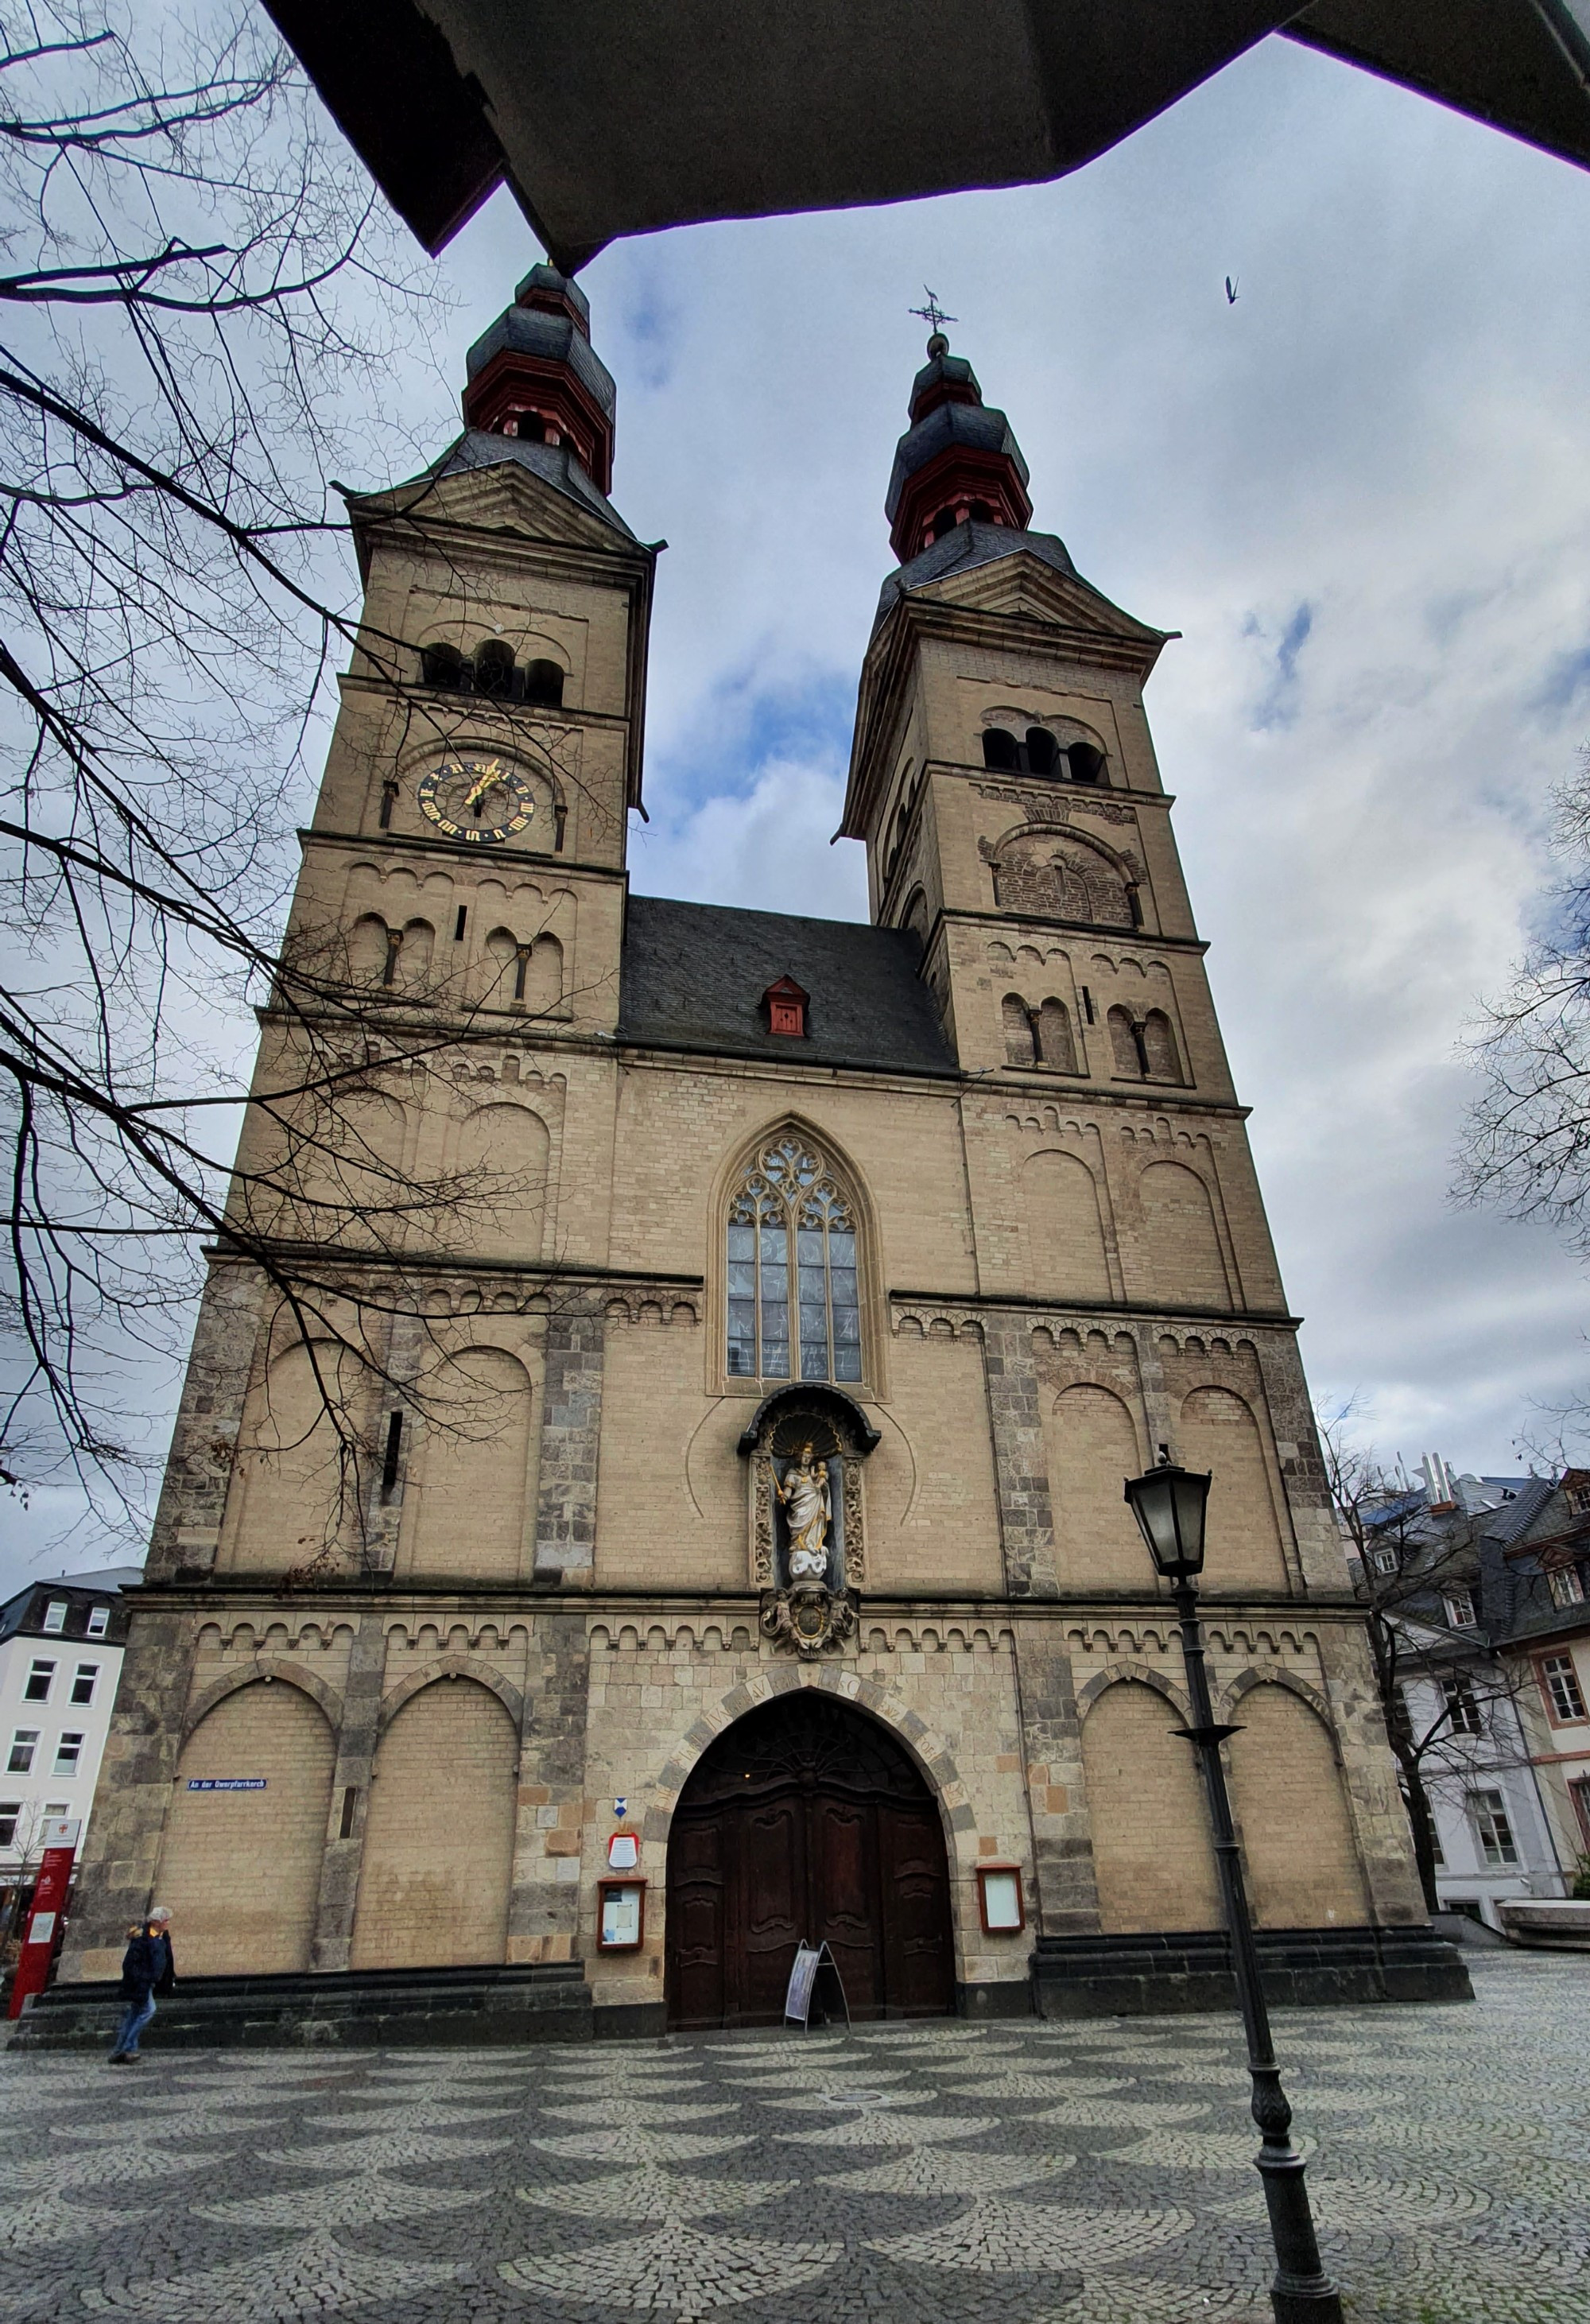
[{"x": 700, "y": 1526}]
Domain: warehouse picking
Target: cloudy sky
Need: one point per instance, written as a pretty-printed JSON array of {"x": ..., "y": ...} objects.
[{"x": 1362, "y": 494}]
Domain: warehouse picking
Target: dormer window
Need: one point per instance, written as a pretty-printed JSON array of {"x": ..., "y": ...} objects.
[{"x": 785, "y": 1004}]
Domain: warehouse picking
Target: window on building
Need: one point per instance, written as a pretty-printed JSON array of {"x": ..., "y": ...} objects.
[
  {"x": 1055, "y": 1045},
  {"x": 1579, "y": 1794},
  {"x": 58, "y": 1807},
  {"x": 55, "y": 1614},
  {"x": 10, "y": 1816},
  {"x": 83, "y": 1680},
  {"x": 99, "y": 1622},
  {"x": 794, "y": 1304},
  {"x": 68, "y": 1751},
  {"x": 1463, "y": 1712},
  {"x": 1384, "y": 1561},
  {"x": 1460, "y": 1609},
  {"x": 493, "y": 668},
  {"x": 1488, "y": 1812},
  {"x": 1567, "y": 1587},
  {"x": 1438, "y": 1854},
  {"x": 1564, "y": 1694},
  {"x": 1020, "y": 1047},
  {"x": 36, "y": 1687},
  {"x": 1042, "y": 754},
  {"x": 25, "y": 1742},
  {"x": 1160, "y": 1060},
  {"x": 544, "y": 685}
]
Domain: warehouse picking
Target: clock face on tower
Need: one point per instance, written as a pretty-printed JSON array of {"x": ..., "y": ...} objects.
[{"x": 476, "y": 798}]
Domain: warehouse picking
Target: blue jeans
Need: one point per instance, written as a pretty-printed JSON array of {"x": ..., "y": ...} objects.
[{"x": 138, "y": 2012}]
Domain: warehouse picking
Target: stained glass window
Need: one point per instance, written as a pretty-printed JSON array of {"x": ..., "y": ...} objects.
[{"x": 794, "y": 1310}]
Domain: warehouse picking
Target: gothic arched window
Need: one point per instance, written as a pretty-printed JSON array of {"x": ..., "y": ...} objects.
[{"x": 795, "y": 1308}]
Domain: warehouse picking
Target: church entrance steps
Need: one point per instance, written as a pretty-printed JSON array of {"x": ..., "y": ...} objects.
[
  {"x": 1154, "y": 1971},
  {"x": 408, "y": 2008}
]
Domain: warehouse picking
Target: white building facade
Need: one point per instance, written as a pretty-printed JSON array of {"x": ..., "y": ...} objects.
[{"x": 61, "y": 1643}]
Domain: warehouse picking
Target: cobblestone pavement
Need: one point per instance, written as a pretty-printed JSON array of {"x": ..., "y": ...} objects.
[{"x": 935, "y": 2173}]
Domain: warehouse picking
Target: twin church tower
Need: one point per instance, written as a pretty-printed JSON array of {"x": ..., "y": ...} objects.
[{"x": 649, "y": 1486}]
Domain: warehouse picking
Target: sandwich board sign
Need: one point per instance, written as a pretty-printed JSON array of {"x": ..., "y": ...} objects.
[{"x": 803, "y": 1981}]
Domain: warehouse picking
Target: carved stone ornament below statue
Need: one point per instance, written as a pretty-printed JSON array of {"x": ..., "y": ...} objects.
[{"x": 806, "y": 1447}]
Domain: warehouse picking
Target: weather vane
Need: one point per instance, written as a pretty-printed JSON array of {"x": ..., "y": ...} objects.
[{"x": 932, "y": 314}]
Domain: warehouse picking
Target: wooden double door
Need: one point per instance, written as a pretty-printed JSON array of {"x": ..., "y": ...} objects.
[{"x": 807, "y": 1820}]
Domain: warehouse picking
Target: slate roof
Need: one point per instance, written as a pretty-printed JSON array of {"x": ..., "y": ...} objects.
[
  {"x": 693, "y": 978},
  {"x": 555, "y": 463},
  {"x": 971, "y": 545}
]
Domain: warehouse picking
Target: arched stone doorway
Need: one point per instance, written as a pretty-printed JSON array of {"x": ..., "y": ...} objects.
[{"x": 807, "y": 1819}]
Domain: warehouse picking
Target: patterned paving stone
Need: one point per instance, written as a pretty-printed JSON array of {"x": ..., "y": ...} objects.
[
  {"x": 677, "y": 2268},
  {"x": 368, "y": 2196},
  {"x": 653, "y": 2193},
  {"x": 1020, "y": 2173},
  {"x": 1001, "y": 2238},
  {"x": 319, "y": 2274}
]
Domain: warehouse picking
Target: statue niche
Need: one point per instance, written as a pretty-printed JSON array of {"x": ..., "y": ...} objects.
[{"x": 805, "y": 1451}]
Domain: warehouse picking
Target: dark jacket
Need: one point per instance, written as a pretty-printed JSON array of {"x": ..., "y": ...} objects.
[{"x": 147, "y": 1965}]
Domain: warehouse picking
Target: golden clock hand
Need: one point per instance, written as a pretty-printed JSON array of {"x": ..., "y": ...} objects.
[{"x": 491, "y": 776}]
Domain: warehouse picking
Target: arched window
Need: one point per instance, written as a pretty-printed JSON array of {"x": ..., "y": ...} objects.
[
  {"x": 1019, "y": 1047},
  {"x": 544, "y": 685},
  {"x": 1087, "y": 764},
  {"x": 1125, "y": 1041},
  {"x": 493, "y": 668},
  {"x": 442, "y": 666},
  {"x": 794, "y": 1309},
  {"x": 1055, "y": 1045},
  {"x": 1159, "y": 1048},
  {"x": 1036, "y": 753}
]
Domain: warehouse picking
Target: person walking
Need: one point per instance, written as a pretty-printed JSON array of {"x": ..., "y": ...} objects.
[{"x": 148, "y": 1968}]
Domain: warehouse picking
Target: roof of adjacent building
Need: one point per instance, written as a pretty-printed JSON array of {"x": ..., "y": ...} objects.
[
  {"x": 24, "y": 1612},
  {"x": 694, "y": 975}
]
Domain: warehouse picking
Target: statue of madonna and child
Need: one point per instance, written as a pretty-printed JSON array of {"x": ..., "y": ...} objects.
[{"x": 809, "y": 1513}]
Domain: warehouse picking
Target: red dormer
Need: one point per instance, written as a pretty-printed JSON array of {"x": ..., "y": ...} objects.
[{"x": 785, "y": 1004}]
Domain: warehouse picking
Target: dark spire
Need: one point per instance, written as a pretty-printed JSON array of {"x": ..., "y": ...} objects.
[
  {"x": 534, "y": 374},
  {"x": 957, "y": 463}
]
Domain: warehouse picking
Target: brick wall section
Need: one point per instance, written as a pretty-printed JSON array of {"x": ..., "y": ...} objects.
[
  {"x": 1021, "y": 1468},
  {"x": 1151, "y": 1829},
  {"x": 1065, "y": 1900},
  {"x": 355, "y": 1760},
  {"x": 198, "y": 1471},
  {"x": 240, "y": 1871},
  {"x": 1286, "y": 1795},
  {"x": 571, "y": 1437},
  {"x": 116, "y": 1876},
  {"x": 438, "y": 1836},
  {"x": 544, "y": 1910}
]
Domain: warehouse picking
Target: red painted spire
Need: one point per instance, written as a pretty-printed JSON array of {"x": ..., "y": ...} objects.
[{"x": 957, "y": 462}]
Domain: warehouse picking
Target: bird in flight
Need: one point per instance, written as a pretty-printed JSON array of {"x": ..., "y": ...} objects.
[{"x": 1230, "y": 292}]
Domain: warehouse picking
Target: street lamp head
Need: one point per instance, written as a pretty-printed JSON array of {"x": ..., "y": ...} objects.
[{"x": 1168, "y": 1503}]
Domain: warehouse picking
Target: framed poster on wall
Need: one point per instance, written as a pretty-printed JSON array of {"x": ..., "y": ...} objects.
[
  {"x": 1000, "y": 1900},
  {"x": 621, "y": 1916}
]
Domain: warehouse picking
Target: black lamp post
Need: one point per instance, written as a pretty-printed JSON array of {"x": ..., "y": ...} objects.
[{"x": 1168, "y": 1504}]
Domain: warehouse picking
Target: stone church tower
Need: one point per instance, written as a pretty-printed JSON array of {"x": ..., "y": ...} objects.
[{"x": 694, "y": 1520}]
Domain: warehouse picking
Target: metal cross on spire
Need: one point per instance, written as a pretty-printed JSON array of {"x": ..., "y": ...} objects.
[{"x": 932, "y": 314}]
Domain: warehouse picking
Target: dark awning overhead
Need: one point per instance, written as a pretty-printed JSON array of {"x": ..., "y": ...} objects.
[{"x": 620, "y": 117}]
